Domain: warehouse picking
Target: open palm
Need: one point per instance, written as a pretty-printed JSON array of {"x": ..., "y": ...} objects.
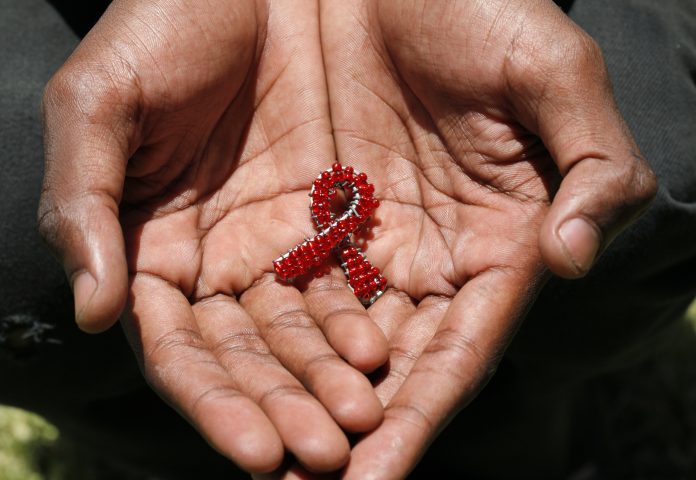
[
  {"x": 179, "y": 157},
  {"x": 468, "y": 131},
  {"x": 210, "y": 131}
]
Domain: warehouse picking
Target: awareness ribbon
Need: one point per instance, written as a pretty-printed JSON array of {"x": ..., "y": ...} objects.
[{"x": 335, "y": 233}]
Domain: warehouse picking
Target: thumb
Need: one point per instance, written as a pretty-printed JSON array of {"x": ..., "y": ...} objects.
[
  {"x": 86, "y": 155},
  {"x": 606, "y": 182}
]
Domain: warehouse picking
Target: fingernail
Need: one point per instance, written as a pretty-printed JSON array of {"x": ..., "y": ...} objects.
[
  {"x": 580, "y": 242},
  {"x": 84, "y": 287}
]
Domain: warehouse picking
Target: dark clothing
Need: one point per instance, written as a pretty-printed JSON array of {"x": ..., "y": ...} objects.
[{"x": 91, "y": 388}]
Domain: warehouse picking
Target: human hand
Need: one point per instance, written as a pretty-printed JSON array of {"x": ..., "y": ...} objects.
[
  {"x": 180, "y": 139},
  {"x": 490, "y": 131}
]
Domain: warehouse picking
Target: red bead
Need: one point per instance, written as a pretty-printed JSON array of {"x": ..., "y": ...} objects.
[
  {"x": 363, "y": 278},
  {"x": 367, "y": 189}
]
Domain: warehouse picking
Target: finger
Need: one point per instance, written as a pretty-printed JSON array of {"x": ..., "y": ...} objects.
[
  {"x": 452, "y": 368},
  {"x": 606, "y": 183},
  {"x": 392, "y": 309},
  {"x": 345, "y": 323},
  {"x": 161, "y": 327},
  {"x": 294, "y": 338},
  {"x": 86, "y": 152},
  {"x": 408, "y": 342},
  {"x": 305, "y": 427}
]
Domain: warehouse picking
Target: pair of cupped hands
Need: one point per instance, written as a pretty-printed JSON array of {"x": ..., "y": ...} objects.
[{"x": 182, "y": 138}]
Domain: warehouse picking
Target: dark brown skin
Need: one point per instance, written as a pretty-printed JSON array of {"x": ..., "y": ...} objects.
[
  {"x": 204, "y": 122},
  {"x": 485, "y": 126},
  {"x": 488, "y": 126}
]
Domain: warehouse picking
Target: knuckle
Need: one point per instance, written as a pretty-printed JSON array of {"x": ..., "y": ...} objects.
[
  {"x": 67, "y": 87},
  {"x": 454, "y": 350},
  {"x": 289, "y": 320},
  {"x": 578, "y": 54},
  {"x": 585, "y": 49},
  {"x": 636, "y": 182},
  {"x": 568, "y": 55},
  {"x": 452, "y": 342},
  {"x": 94, "y": 93},
  {"x": 402, "y": 355},
  {"x": 172, "y": 361},
  {"x": 283, "y": 391},
  {"x": 326, "y": 285},
  {"x": 411, "y": 414},
  {"x": 171, "y": 376},
  {"x": 645, "y": 182},
  {"x": 316, "y": 364},
  {"x": 345, "y": 313},
  {"x": 49, "y": 220},
  {"x": 212, "y": 394},
  {"x": 240, "y": 343},
  {"x": 62, "y": 221},
  {"x": 176, "y": 339},
  {"x": 58, "y": 89}
]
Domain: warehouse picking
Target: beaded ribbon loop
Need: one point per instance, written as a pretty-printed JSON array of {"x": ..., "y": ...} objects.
[{"x": 335, "y": 234}]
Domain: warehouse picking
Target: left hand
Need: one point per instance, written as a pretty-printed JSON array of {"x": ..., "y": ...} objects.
[{"x": 490, "y": 131}]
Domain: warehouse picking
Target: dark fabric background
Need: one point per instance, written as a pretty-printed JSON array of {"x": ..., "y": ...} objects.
[{"x": 90, "y": 385}]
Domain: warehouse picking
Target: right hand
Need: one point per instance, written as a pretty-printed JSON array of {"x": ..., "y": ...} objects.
[
  {"x": 498, "y": 151},
  {"x": 181, "y": 140}
]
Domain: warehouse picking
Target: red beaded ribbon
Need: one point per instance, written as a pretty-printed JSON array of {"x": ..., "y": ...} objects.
[{"x": 365, "y": 280}]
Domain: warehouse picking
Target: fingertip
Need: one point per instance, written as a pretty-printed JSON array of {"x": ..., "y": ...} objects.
[
  {"x": 239, "y": 430},
  {"x": 360, "y": 416},
  {"x": 84, "y": 287},
  {"x": 351, "y": 400},
  {"x": 259, "y": 454},
  {"x": 571, "y": 248},
  {"x": 366, "y": 348},
  {"x": 98, "y": 305},
  {"x": 580, "y": 241},
  {"x": 324, "y": 454}
]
